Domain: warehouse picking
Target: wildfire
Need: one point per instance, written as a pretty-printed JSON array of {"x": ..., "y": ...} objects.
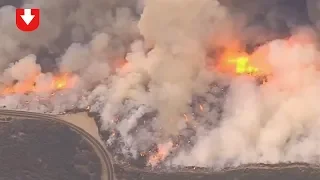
[
  {"x": 237, "y": 64},
  {"x": 242, "y": 65},
  {"x": 120, "y": 65},
  {"x": 162, "y": 153},
  {"x": 59, "y": 82}
]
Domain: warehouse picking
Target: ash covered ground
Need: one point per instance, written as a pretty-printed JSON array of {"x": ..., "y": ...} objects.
[{"x": 157, "y": 76}]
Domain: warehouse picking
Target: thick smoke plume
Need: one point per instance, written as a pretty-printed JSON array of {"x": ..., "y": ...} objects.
[{"x": 148, "y": 69}]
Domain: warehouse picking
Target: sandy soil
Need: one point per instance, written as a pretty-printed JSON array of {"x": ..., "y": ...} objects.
[{"x": 83, "y": 121}]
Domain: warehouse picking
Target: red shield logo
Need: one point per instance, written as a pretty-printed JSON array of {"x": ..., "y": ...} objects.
[{"x": 27, "y": 19}]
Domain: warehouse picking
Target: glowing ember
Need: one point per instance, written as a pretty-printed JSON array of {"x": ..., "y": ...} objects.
[
  {"x": 201, "y": 108},
  {"x": 163, "y": 152},
  {"x": 119, "y": 64},
  {"x": 185, "y": 117}
]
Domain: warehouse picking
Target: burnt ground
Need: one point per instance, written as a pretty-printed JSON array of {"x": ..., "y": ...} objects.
[
  {"x": 135, "y": 170},
  {"x": 258, "y": 172},
  {"x": 46, "y": 150}
]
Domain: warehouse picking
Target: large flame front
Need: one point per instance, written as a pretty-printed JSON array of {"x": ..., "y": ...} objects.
[{"x": 58, "y": 82}]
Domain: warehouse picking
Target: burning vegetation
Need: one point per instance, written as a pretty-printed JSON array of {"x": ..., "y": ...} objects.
[
  {"x": 238, "y": 64},
  {"x": 171, "y": 105},
  {"x": 30, "y": 85}
]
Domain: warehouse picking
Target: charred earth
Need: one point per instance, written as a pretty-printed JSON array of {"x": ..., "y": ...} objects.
[
  {"x": 38, "y": 146},
  {"x": 137, "y": 169}
]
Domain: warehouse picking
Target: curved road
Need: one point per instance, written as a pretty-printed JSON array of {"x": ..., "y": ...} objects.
[{"x": 106, "y": 161}]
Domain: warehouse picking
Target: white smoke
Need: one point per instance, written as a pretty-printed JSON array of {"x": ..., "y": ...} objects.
[
  {"x": 268, "y": 123},
  {"x": 166, "y": 95}
]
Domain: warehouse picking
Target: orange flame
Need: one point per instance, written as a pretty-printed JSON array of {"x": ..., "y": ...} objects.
[
  {"x": 237, "y": 64},
  {"x": 59, "y": 82},
  {"x": 163, "y": 152},
  {"x": 120, "y": 63}
]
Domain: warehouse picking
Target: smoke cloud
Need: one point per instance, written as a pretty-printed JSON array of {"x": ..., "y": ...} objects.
[{"x": 143, "y": 67}]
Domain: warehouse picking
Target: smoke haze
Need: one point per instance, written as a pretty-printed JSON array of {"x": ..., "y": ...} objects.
[{"x": 143, "y": 66}]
